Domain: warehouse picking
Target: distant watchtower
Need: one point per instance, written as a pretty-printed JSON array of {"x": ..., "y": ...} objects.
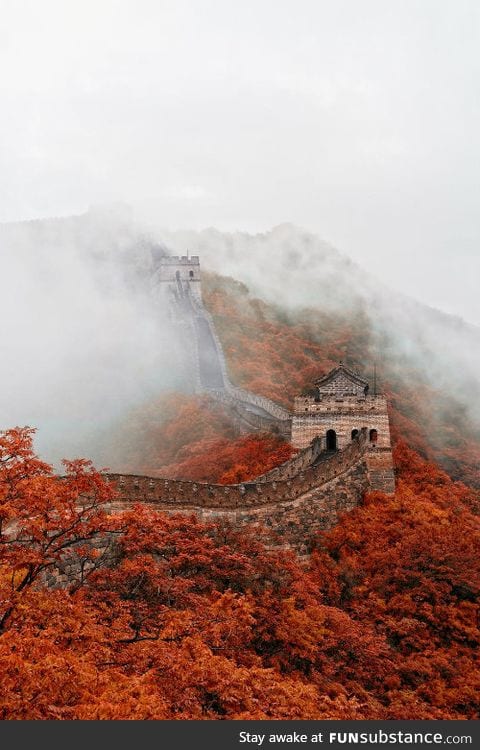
[
  {"x": 340, "y": 407},
  {"x": 179, "y": 272}
]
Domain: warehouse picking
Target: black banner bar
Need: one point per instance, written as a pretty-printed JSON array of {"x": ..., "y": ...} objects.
[{"x": 244, "y": 735}]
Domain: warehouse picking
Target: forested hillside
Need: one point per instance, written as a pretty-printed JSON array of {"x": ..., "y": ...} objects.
[
  {"x": 194, "y": 621},
  {"x": 278, "y": 354},
  {"x": 287, "y": 306}
]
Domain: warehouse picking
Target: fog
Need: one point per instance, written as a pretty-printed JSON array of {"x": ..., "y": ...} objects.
[
  {"x": 85, "y": 337},
  {"x": 295, "y": 269},
  {"x": 356, "y": 120}
]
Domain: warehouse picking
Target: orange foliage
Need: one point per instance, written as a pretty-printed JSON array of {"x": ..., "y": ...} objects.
[
  {"x": 420, "y": 585},
  {"x": 196, "y": 621},
  {"x": 167, "y": 432},
  {"x": 271, "y": 354},
  {"x": 192, "y": 437},
  {"x": 231, "y": 461}
]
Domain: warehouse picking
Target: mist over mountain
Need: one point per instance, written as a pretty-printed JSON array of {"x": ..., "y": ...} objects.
[
  {"x": 83, "y": 336},
  {"x": 294, "y": 269},
  {"x": 87, "y": 341}
]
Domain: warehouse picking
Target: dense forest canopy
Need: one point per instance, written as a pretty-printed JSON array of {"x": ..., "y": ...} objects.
[{"x": 192, "y": 621}]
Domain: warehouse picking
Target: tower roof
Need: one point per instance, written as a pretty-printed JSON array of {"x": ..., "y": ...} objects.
[{"x": 341, "y": 370}]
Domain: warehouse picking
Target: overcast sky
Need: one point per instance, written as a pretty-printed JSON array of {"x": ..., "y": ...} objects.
[{"x": 358, "y": 119}]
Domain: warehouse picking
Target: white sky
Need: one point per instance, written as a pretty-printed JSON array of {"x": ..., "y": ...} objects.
[{"x": 358, "y": 119}]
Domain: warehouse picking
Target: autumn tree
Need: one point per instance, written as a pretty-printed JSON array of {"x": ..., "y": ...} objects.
[{"x": 46, "y": 523}]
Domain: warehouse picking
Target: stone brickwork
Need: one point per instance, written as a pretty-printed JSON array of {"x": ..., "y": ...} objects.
[
  {"x": 173, "y": 269},
  {"x": 75, "y": 567},
  {"x": 251, "y": 413},
  {"x": 298, "y": 463},
  {"x": 380, "y": 469},
  {"x": 292, "y": 502},
  {"x": 304, "y": 495},
  {"x": 295, "y": 523},
  {"x": 340, "y": 408},
  {"x": 313, "y": 417}
]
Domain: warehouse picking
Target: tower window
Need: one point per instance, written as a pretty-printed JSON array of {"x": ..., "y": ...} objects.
[
  {"x": 354, "y": 434},
  {"x": 191, "y": 274},
  {"x": 373, "y": 436}
]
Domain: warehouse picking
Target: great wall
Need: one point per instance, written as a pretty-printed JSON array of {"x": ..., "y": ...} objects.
[
  {"x": 342, "y": 432},
  {"x": 178, "y": 280},
  {"x": 292, "y": 507}
]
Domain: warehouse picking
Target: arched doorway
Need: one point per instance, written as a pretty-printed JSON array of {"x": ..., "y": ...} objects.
[
  {"x": 354, "y": 434},
  {"x": 331, "y": 440},
  {"x": 373, "y": 436}
]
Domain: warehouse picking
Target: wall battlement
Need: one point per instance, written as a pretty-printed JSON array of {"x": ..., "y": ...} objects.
[
  {"x": 304, "y": 495},
  {"x": 355, "y": 404},
  {"x": 284, "y": 482},
  {"x": 179, "y": 260}
]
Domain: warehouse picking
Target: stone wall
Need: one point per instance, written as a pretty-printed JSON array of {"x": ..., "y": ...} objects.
[
  {"x": 295, "y": 465},
  {"x": 75, "y": 566},
  {"x": 342, "y": 405},
  {"x": 169, "y": 268},
  {"x": 208, "y": 371},
  {"x": 380, "y": 469},
  {"x": 275, "y": 415},
  {"x": 200, "y": 310},
  {"x": 273, "y": 409},
  {"x": 293, "y": 523},
  {"x": 246, "y": 420},
  {"x": 312, "y": 417},
  {"x": 306, "y": 498}
]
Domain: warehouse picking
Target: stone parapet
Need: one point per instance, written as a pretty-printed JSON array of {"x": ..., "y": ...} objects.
[
  {"x": 292, "y": 509},
  {"x": 298, "y": 463},
  {"x": 273, "y": 409},
  {"x": 381, "y": 473},
  {"x": 350, "y": 404},
  {"x": 178, "y": 260},
  {"x": 186, "y": 494}
]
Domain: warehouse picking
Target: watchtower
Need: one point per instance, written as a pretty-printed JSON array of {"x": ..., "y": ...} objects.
[
  {"x": 179, "y": 272},
  {"x": 341, "y": 405}
]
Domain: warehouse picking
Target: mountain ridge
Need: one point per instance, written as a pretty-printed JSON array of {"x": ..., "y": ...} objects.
[{"x": 288, "y": 275}]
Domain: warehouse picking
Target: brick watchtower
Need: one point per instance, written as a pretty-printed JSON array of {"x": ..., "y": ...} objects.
[
  {"x": 340, "y": 407},
  {"x": 179, "y": 273}
]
